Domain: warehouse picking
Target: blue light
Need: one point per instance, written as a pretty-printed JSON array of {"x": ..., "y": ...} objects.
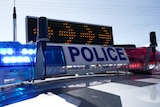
[
  {"x": 26, "y": 59},
  {"x": 16, "y": 59},
  {"x": 9, "y": 51},
  {"x": 6, "y": 51},
  {"x": 5, "y": 60},
  {"x": 12, "y": 59},
  {"x": 30, "y": 51},
  {"x": 3, "y": 52},
  {"x": 26, "y": 51}
]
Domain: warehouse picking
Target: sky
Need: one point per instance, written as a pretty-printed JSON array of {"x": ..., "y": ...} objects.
[{"x": 131, "y": 20}]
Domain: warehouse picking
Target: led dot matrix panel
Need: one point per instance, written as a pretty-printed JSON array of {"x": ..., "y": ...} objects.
[{"x": 60, "y": 31}]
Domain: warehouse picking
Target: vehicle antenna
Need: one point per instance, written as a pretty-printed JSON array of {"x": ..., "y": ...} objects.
[{"x": 14, "y": 23}]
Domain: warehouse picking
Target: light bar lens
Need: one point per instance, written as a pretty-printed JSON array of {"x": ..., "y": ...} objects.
[
  {"x": 16, "y": 59},
  {"x": 26, "y": 51},
  {"x": 6, "y": 51},
  {"x": 135, "y": 66}
]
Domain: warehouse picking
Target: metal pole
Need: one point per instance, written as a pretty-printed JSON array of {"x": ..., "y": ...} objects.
[
  {"x": 146, "y": 67},
  {"x": 40, "y": 66}
]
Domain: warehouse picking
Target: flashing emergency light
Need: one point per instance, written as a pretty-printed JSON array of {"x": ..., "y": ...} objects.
[
  {"x": 14, "y": 53},
  {"x": 16, "y": 59},
  {"x": 26, "y": 51},
  {"x": 6, "y": 51},
  {"x": 136, "y": 66}
]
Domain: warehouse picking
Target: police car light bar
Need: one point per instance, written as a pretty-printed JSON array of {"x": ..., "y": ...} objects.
[{"x": 17, "y": 61}]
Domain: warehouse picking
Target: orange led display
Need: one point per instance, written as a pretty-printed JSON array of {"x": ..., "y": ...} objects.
[{"x": 60, "y": 31}]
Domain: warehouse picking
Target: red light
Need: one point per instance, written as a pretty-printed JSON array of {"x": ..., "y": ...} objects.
[{"x": 135, "y": 66}]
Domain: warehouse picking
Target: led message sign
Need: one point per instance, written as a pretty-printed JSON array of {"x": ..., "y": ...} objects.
[{"x": 60, "y": 31}]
